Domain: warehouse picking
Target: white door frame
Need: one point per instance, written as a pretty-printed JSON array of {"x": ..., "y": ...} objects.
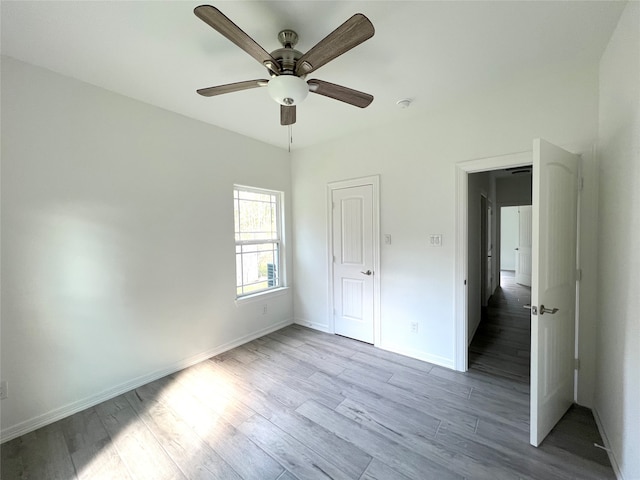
[
  {"x": 374, "y": 181},
  {"x": 463, "y": 169}
]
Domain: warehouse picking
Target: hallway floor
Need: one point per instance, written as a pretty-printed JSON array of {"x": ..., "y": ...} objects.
[{"x": 501, "y": 345}]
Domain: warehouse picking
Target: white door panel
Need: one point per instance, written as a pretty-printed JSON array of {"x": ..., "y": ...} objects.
[
  {"x": 353, "y": 247},
  {"x": 554, "y": 222}
]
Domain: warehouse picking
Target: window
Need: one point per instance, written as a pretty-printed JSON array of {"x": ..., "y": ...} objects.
[{"x": 257, "y": 216}]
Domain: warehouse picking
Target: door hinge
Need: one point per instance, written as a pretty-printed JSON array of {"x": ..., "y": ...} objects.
[
  {"x": 580, "y": 183},
  {"x": 334, "y": 259},
  {"x": 334, "y": 312},
  {"x": 576, "y": 364},
  {"x": 578, "y": 274},
  {"x": 333, "y": 205}
]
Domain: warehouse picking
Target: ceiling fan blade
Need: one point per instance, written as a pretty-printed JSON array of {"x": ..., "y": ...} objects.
[
  {"x": 338, "y": 92},
  {"x": 348, "y": 35},
  {"x": 231, "y": 87},
  {"x": 287, "y": 115},
  {"x": 219, "y": 22}
]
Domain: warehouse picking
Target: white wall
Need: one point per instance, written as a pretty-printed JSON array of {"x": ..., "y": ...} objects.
[
  {"x": 117, "y": 243},
  {"x": 508, "y": 237},
  {"x": 416, "y": 161},
  {"x": 618, "y": 354}
]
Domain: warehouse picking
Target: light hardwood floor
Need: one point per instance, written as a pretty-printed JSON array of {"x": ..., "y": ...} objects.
[{"x": 304, "y": 404}]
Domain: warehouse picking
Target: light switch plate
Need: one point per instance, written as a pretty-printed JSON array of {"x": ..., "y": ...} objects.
[
  {"x": 387, "y": 239},
  {"x": 435, "y": 240}
]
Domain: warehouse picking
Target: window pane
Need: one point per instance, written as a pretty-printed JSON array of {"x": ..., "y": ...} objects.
[
  {"x": 255, "y": 216},
  {"x": 255, "y": 221},
  {"x": 257, "y": 265}
]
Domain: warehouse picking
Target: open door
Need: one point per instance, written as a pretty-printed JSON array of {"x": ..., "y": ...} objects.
[
  {"x": 553, "y": 292},
  {"x": 523, "y": 251},
  {"x": 486, "y": 256},
  {"x": 488, "y": 252}
]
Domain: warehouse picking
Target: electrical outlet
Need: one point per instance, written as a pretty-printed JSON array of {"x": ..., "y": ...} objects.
[
  {"x": 387, "y": 239},
  {"x": 3, "y": 390},
  {"x": 414, "y": 327},
  {"x": 264, "y": 309}
]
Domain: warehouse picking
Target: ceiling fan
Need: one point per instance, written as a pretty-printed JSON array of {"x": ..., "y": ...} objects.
[{"x": 288, "y": 67}]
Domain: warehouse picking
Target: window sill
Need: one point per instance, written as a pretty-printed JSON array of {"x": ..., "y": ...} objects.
[{"x": 261, "y": 296}]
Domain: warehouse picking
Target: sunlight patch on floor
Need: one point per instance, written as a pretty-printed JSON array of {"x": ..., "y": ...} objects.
[{"x": 168, "y": 411}]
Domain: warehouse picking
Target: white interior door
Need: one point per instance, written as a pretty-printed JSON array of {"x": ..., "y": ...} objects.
[
  {"x": 489, "y": 253},
  {"x": 553, "y": 292},
  {"x": 486, "y": 248},
  {"x": 523, "y": 251},
  {"x": 484, "y": 264},
  {"x": 353, "y": 262}
]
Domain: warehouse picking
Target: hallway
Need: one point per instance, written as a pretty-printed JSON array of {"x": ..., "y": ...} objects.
[{"x": 501, "y": 345}]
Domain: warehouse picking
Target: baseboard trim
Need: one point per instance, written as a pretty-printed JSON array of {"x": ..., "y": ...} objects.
[
  {"x": 87, "y": 402},
  {"x": 419, "y": 355},
  {"x": 607, "y": 445},
  {"x": 316, "y": 326}
]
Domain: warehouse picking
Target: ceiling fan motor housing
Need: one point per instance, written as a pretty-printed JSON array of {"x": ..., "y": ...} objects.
[
  {"x": 287, "y": 88},
  {"x": 287, "y": 56}
]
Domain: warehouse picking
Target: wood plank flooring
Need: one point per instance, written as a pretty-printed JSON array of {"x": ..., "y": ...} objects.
[
  {"x": 502, "y": 344},
  {"x": 300, "y": 404}
]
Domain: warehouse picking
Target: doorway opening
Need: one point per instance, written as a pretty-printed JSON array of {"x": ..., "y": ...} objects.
[
  {"x": 498, "y": 324},
  {"x": 473, "y": 179}
]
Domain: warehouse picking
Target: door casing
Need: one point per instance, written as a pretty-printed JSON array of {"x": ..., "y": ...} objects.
[{"x": 374, "y": 181}]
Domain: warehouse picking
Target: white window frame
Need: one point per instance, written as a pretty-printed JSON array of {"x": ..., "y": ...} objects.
[{"x": 279, "y": 241}]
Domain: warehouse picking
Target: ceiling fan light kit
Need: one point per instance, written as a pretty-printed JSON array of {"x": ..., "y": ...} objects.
[
  {"x": 288, "y": 67},
  {"x": 288, "y": 89}
]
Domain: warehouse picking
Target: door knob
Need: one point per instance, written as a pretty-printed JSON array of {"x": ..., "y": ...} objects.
[
  {"x": 368, "y": 272},
  {"x": 544, "y": 310}
]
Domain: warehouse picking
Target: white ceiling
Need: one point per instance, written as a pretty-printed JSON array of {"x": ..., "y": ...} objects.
[{"x": 432, "y": 52}]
